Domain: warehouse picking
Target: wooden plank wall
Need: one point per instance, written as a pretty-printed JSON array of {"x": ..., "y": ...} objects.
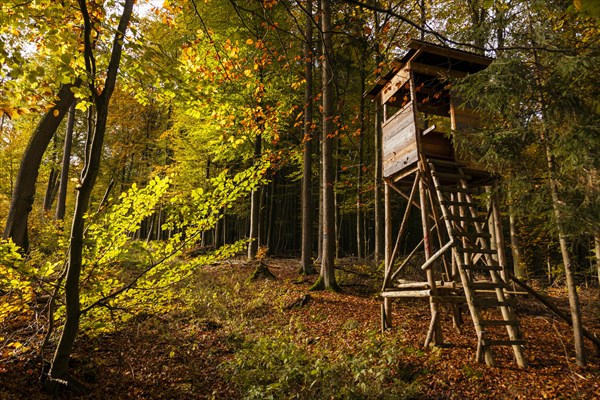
[{"x": 399, "y": 141}]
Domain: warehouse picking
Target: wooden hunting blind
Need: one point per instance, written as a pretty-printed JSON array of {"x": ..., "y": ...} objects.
[{"x": 462, "y": 248}]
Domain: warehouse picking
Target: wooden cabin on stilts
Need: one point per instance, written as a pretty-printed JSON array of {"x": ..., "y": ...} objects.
[{"x": 462, "y": 243}]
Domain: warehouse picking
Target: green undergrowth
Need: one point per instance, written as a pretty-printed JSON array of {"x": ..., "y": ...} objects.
[
  {"x": 277, "y": 367},
  {"x": 276, "y": 356}
]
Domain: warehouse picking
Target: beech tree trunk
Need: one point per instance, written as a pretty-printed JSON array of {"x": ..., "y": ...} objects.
[
  {"x": 327, "y": 275},
  {"x": 58, "y": 373},
  {"x": 254, "y": 207},
  {"x": 64, "y": 172},
  {"x": 307, "y": 222},
  {"x": 21, "y": 202}
]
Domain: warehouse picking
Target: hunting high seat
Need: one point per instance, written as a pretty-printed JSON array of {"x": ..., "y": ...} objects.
[{"x": 462, "y": 240}]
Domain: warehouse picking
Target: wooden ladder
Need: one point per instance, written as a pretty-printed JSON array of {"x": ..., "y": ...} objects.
[{"x": 473, "y": 256}]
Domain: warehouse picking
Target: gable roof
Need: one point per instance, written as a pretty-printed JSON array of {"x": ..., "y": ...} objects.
[{"x": 434, "y": 55}]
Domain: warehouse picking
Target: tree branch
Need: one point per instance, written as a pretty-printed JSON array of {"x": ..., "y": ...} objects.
[
  {"x": 117, "y": 49},
  {"x": 444, "y": 39}
]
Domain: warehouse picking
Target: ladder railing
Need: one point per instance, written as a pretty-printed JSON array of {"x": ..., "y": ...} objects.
[{"x": 473, "y": 254}]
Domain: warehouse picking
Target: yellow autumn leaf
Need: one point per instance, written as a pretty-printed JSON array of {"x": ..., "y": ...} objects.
[
  {"x": 249, "y": 41},
  {"x": 55, "y": 112}
]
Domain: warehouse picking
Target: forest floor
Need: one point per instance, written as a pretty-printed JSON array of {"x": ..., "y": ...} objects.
[{"x": 244, "y": 339}]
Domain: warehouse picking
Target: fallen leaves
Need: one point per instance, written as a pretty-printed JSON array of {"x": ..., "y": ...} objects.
[{"x": 177, "y": 355}]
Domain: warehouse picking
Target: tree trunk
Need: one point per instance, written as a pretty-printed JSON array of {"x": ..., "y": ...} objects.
[
  {"x": 50, "y": 190},
  {"x": 514, "y": 244},
  {"x": 21, "y": 202},
  {"x": 327, "y": 275},
  {"x": 271, "y": 220},
  {"x": 478, "y": 15},
  {"x": 360, "y": 246},
  {"x": 574, "y": 305},
  {"x": 597, "y": 251},
  {"x": 254, "y": 207},
  {"x": 64, "y": 172},
  {"x": 218, "y": 232},
  {"x": 435, "y": 333},
  {"x": 423, "y": 19},
  {"x": 336, "y": 209},
  {"x": 59, "y": 369},
  {"x": 379, "y": 223}
]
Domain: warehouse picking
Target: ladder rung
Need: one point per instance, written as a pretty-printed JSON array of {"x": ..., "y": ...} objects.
[
  {"x": 471, "y": 250},
  {"x": 455, "y": 189},
  {"x": 450, "y": 203},
  {"x": 468, "y": 219},
  {"x": 446, "y": 175},
  {"x": 484, "y": 235},
  {"x": 391, "y": 293},
  {"x": 465, "y": 218},
  {"x": 482, "y": 302},
  {"x": 490, "y": 342},
  {"x": 482, "y": 267},
  {"x": 491, "y": 322}
]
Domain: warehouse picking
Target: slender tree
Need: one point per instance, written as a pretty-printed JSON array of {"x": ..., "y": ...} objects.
[
  {"x": 255, "y": 206},
  {"x": 64, "y": 172},
  {"x": 101, "y": 95},
  {"x": 307, "y": 217},
  {"x": 52, "y": 186}
]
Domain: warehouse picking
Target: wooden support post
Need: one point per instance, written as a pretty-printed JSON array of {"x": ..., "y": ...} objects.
[
  {"x": 454, "y": 211},
  {"x": 387, "y": 302},
  {"x": 386, "y": 317},
  {"x": 437, "y": 222},
  {"x": 457, "y": 320},
  {"x": 435, "y": 330},
  {"x": 491, "y": 223},
  {"x": 430, "y": 332},
  {"x": 388, "y": 228}
]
